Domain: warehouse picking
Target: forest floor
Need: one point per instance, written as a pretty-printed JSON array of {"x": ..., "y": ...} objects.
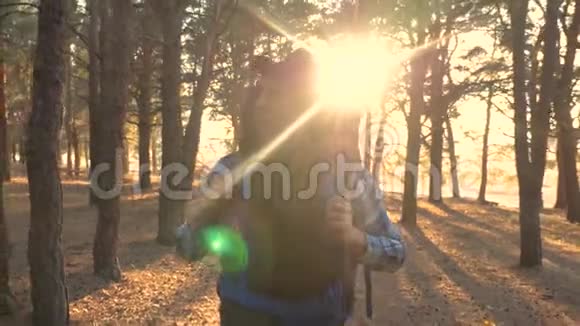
[{"x": 460, "y": 270}]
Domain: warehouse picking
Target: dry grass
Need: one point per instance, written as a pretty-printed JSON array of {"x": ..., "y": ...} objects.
[{"x": 461, "y": 269}]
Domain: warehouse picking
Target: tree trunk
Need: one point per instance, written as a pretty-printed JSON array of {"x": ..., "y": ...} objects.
[
  {"x": 6, "y": 299},
  {"x": 193, "y": 129},
  {"x": 540, "y": 119},
  {"x": 531, "y": 173},
  {"x": 94, "y": 88},
  {"x": 180, "y": 150},
  {"x": 380, "y": 145},
  {"x": 530, "y": 240},
  {"x": 7, "y": 175},
  {"x": 145, "y": 91},
  {"x": 242, "y": 51},
  {"x": 4, "y": 139},
  {"x": 561, "y": 199},
  {"x": 567, "y": 140},
  {"x": 485, "y": 152},
  {"x": 76, "y": 149},
  {"x": 154, "y": 164},
  {"x": 436, "y": 114},
  {"x": 171, "y": 209},
  {"x": 417, "y": 108},
  {"x": 126, "y": 157},
  {"x": 115, "y": 54},
  {"x": 59, "y": 148},
  {"x": 368, "y": 142},
  {"x": 191, "y": 144},
  {"x": 14, "y": 151},
  {"x": 530, "y": 234},
  {"x": 5, "y": 161},
  {"x": 45, "y": 256},
  {"x": 456, "y": 189},
  {"x": 172, "y": 199},
  {"x": 22, "y": 150},
  {"x": 69, "y": 116},
  {"x": 87, "y": 155}
]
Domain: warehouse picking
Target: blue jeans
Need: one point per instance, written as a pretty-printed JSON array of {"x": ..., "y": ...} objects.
[{"x": 233, "y": 314}]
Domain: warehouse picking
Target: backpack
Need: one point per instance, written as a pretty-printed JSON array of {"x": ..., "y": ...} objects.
[{"x": 289, "y": 259}]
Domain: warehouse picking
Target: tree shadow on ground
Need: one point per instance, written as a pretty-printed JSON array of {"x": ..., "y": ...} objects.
[
  {"x": 483, "y": 264},
  {"x": 424, "y": 279},
  {"x": 489, "y": 247},
  {"x": 510, "y": 235},
  {"x": 481, "y": 293},
  {"x": 552, "y": 284}
]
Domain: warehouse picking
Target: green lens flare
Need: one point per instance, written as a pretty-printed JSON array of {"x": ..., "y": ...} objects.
[
  {"x": 227, "y": 244},
  {"x": 216, "y": 245}
]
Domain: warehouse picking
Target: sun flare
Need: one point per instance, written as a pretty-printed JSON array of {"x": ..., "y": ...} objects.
[{"x": 353, "y": 73}]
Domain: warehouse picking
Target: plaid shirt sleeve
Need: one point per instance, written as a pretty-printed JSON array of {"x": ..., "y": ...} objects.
[
  {"x": 385, "y": 245},
  {"x": 188, "y": 242}
]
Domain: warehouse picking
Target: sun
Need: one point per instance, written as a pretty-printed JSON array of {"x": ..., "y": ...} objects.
[{"x": 353, "y": 73}]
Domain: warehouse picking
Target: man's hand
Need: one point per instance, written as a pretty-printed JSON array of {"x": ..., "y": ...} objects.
[{"x": 339, "y": 215}]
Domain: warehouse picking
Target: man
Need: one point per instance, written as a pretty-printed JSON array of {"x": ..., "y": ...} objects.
[{"x": 303, "y": 247}]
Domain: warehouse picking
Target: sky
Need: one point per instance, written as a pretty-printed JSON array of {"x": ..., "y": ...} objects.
[{"x": 468, "y": 131}]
